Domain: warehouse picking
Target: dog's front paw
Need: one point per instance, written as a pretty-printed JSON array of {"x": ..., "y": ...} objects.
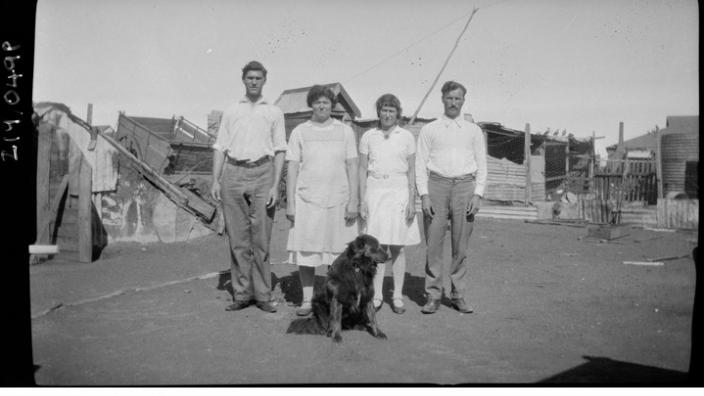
[
  {"x": 337, "y": 338},
  {"x": 380, "y": 334}
]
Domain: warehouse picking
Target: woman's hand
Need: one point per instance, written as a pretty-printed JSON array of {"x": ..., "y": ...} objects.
[
  {"x": 427, "y": 206},
  {"x": 351, "y": 212},
  {"x": 410, "y": 211},
  {"x": 364, "y": 210}
]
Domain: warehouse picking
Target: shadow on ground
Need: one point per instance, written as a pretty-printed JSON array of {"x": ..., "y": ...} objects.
[
  {"x": 601, "y": 370},
  {"x": 288, "y": 288}
]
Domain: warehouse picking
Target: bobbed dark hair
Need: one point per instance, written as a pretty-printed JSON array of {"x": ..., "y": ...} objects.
[
  {"x": 388, "y": 100},
  {"x": 316, "y": 91}
]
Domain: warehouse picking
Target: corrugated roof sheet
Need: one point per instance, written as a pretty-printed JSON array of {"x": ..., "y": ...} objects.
[{"x": 675, "y": 124}]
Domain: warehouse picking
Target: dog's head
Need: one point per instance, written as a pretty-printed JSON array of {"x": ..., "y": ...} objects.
[{"x": 367, "y": 247}]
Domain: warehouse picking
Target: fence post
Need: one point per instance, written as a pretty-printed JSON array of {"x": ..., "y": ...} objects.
[
  {"x": 526, "y": 162},
  {"x": 658, "y": 162},
  {"x": 85, "y": 235}
]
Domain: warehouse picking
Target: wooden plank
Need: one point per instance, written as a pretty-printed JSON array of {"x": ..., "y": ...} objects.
[
  {"x": 607, "y": 231},
  {"x": 49, "y": 218},
  {"x": 206, "y": 210},
  {"x": 44, "y": 138},
  {"x": 85, "y": 232}
]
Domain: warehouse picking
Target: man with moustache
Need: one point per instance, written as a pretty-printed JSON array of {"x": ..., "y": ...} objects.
[
  {"x": 248, "y": 157},
  {"x": 451, "y": 174}
]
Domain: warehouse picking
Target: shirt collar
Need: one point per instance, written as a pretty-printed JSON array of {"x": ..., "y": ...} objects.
[
  {"x": 262, "y": 100},
  {"x": 448, "y": 120}
]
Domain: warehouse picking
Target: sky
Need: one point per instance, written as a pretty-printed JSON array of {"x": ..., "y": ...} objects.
[{"x": 580, "y": 66}]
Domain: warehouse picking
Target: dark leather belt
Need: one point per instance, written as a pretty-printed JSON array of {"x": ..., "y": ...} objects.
[
  {"x": 249, "y": 164},
  {"x": 468, "y": 176}
]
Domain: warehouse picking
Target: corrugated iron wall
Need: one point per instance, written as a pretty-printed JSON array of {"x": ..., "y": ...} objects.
[{"x": 677, "y": 150}]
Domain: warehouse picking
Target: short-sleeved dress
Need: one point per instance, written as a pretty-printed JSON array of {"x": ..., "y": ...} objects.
[
  {"x": 387, "y": 186},
  {"x": 320, "y": 232}
]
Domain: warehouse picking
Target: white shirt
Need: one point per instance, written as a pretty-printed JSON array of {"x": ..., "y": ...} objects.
[
  {"x": 387, "y": 156},
  {"x": 249, "y": 131},
  {"x": 451, "y": 148}
]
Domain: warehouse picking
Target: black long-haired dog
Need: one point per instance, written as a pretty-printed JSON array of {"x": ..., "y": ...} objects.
[{"x": 346, "y": 301}]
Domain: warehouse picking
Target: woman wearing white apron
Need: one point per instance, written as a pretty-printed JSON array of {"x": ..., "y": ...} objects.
[
  {"x": 322, "y": 201},
  {"x": 387, "y": 187}
]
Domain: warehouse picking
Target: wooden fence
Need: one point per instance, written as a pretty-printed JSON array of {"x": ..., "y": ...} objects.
[
  {"x": 678, "y": 213},
  {"x": 630, "y": 180}
]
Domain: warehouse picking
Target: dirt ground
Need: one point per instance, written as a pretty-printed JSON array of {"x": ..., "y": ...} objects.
[{"x": 552, "y": 306}]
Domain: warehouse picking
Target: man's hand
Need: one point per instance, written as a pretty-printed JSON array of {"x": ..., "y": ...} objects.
[
  {"x": 427, "y": 206},
  {"x": 351, "y": 212},
  {"x": 291, "y": 212},
  {"x": 273, "y": 197},
  {"x": 474, "y": 205},
  {"x": 215, "y": 190}
]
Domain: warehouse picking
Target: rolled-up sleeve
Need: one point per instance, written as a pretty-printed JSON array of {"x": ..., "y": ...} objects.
[
  {"x": 422, "y": 155},
  {"x": 278, "y": 131},
  {"x": 223, "y": 137},
  {"x": 293, "y": 150},
  {"x": 480, "y": 158}
]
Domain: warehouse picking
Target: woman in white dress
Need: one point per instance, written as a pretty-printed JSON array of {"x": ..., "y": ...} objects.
[
  {"x": 387, "y": 187},
  {"x": 322, "y": 190}
]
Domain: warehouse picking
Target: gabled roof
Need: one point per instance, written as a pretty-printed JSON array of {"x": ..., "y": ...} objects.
[
  {"x": 294, "y": 100},
  {"x": 674, "y": 124},
  {"x": 642, "y": 142}
]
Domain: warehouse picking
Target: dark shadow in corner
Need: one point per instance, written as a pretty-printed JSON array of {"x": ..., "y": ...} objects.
[
  {"x": 605, "y": 371},
  {"x": 99, "y": 233},
  {"x": 696, "y": 372}
]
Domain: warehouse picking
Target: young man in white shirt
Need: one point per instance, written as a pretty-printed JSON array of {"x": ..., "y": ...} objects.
[
  {"x": 451, "y": 174},
  {"x": 248, "y": 155}
]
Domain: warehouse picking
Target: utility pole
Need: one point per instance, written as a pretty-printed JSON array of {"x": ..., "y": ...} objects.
[
  {"x": 526, "y": 162},
  {"x": 412, "y": 120}
]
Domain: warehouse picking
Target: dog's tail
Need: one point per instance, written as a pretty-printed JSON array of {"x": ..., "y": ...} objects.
[
  {"x": 315, "y": 324},
  {"x": 306, "y": 326}
]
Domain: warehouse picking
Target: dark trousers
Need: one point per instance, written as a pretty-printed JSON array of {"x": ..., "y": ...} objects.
[
  {"x": 244, "y": 193},
  {"x": 450, "y": 198}
]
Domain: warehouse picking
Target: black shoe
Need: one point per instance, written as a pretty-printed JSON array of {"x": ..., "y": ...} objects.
[
  {"x": 238, "y": 304},
  {"x": 431, "y": 306},
  {"x": 266, "y": 306},
  {"x": 460, "y": 305}
]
